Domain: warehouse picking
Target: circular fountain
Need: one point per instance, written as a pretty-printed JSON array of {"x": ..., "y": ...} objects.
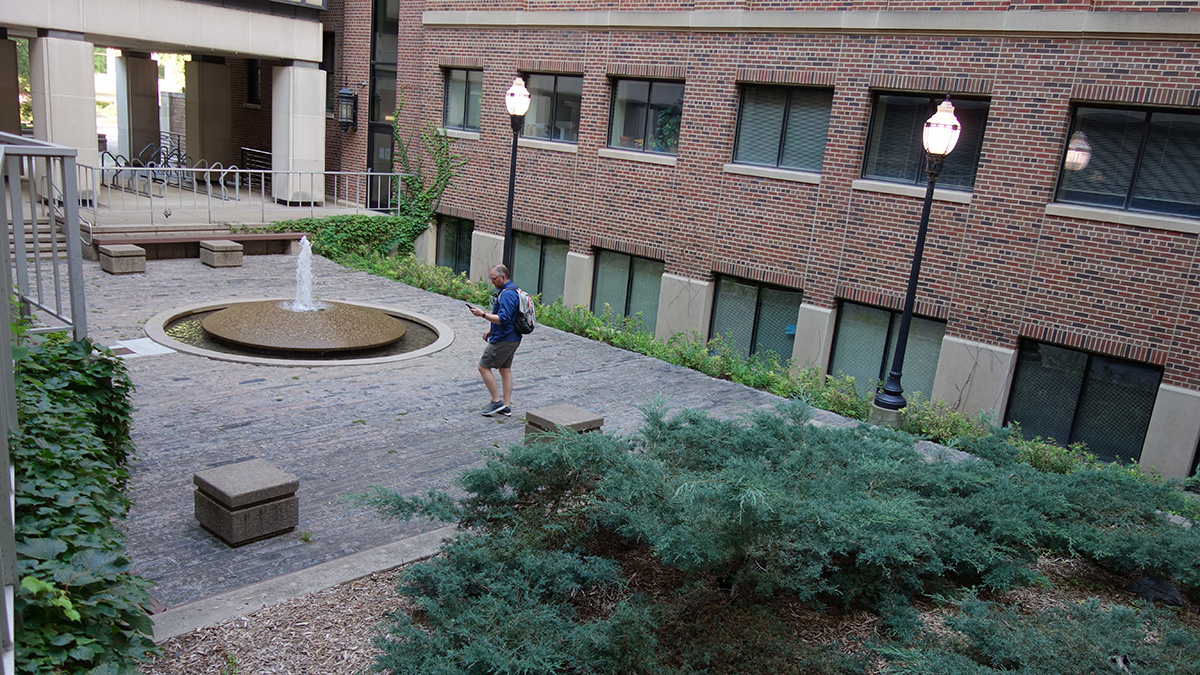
[{"x": 300, "y": 331}]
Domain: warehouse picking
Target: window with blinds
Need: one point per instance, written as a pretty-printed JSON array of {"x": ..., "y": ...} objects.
[
  {"x": 627, "y": 284},
  {"x": 540, "y": 265},
  {"x": 462, "y": 99},
  {"x": 896, "y": 153},
  {"x": 454, "y": 244},
  {"x": 755, "y": 317},
  {"x": 1074, "y": 396},
  {"x": 783, "y": 127},
  {"x": 865, "y": 342},
  {"x": 1136, "y": 160}
]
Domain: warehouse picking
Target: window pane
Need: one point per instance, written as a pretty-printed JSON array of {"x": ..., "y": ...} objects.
[
  {"x": 462, "y": 258},
  {"x": 612, "y": 282},
  {"x": 386, "y": 26},
  {"x": 474, "y": 91},
  {"x": 1114, "y": 136},
  {"x": 456, "y": 98},
  {"x": 541, "y": 100},
  {"x": 921, "y": 354},
  {"x": 383, "y": 94},
  {"x": 761, "y": 125},
  {"x": 527, "y": 261},
  {"x": 862, "y": 333},
  {"x": 666, "y": 113},
  {"x": 1167, "y": 180},
  {"x": 733, "y": 313},
  {"x": 964, "y": 159},
  {"x": 628, "y": 125},
  {"x": 644, "y": 292},
  {"x": 1045, "y": 390},
  {"x": 554, "y": 269},
  {"x": 446, "y": 244},
  {"x": 896, "y": 149},
  {"x": 1116, "y": 406},
  {"x": 778, "y": 312},
  {"x": 807, "y": 129},
  {"x": 567, "y": 104}
]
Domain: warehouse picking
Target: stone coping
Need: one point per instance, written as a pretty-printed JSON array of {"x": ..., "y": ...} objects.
[{"x": 155, "y": 330}]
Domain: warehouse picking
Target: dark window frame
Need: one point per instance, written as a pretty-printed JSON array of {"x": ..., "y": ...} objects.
[
  {"x": 554, "y": 103},
  {"x": 542, "y": 239},
  {"x": 446, "y": 84},
  {"x": 783, "y": 129},
  {"x": 894, "y": 317},
  {"x": 628, "y": 280},
  {"x": 328, "y": 64},
  {"x": 918, "y": 175},
  {"x": 253, "y": 82},
  {"x": 645, "y": 144},
  {"x": 759, "y": 287},
  {"x": 461, "y": 243}
]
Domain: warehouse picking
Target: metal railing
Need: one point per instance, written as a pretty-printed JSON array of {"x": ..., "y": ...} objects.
[
  {"x": 152, "y": 194},
  {"x": 38, "y": 197}
]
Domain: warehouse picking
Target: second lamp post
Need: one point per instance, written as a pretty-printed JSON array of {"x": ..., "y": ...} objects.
[
  {"x": 940, "y": 134},
  {"x": 517, "y": 103}
]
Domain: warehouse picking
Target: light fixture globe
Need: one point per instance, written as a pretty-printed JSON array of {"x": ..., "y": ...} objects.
[
  {"x": 517, "y": 98},
  {"x": 942, "y": 130},
  {"x": 1079, "y": 152}
]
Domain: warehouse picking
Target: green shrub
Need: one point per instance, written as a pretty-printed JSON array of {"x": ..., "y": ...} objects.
[
  {"x": 939, "y": 422},
  {"x": 78, "y": 607},
  {"x": 338, "y": 237},
  {"x": 1046, "y": 455}
]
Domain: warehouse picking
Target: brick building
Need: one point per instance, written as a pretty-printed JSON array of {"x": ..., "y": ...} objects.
[{"x": 754, "y": 169}]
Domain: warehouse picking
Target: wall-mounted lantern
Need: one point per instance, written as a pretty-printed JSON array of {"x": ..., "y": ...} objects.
[{"x": 347, "y": 109}]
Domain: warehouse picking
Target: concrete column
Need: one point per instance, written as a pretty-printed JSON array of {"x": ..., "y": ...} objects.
[
  {"x": 486, "y": 250},
  {"x": 814, "y": 336},
  {"x": 298, "y": 133},
  {"x": 10, "y": 89},
  {"x": 137, "y": 105},
  {"x": 577, "y": 288},
  {"x": 209, "y": 85},
  {"x": 63, "y": 87},
  {"x": 974, "y": 376},
  {"x": 684, "y": 306},
  {"x": 1174, "y": 431},
  {"x": 425, "y": 245}
]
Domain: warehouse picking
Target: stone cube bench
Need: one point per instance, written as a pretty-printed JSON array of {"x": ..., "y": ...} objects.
[
  {"x": 122, "y": 258},
  {"x": 561, "y": 416},
  {"x": 246, "y": 501},
  {"x": 220, "y": 253}
]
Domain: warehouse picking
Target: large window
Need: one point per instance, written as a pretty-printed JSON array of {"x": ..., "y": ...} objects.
[
  {"x": 454, "y": 244},
  {"x": 328, "y": 52},
  {"x": 756, "y": 317},
  {"x": 866, "y": 341},
  {"x": 1140, "y": 160},
  {"x": 783, "y": 127},
  {"x": 894, "y": 148},
  {"x": 253, "y": 82},
  {"x": 646, "y": 116},
  {"x": 385, "y": 31},
  {"x": 462, "y": 98},
  {"x": 554, "y": 107},
  {"x": 1075, "y": 396},
  {"x": 540, "y": 265},
  {"x": 628, "y": 284}
]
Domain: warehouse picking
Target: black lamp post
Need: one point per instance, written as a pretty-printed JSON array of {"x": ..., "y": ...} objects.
[
  {"x": 517, "y": 103},
  {"x": 940, "y": 135}
]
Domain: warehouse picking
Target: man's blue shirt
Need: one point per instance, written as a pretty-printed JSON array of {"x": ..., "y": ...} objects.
[{"x": 506, "y": 307}]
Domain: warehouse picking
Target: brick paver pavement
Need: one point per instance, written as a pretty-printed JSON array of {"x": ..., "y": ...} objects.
[{"x": 411, "y": 425}]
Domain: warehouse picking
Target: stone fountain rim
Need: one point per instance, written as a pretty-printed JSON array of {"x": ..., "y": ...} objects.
[{"x": 155, "y": 330}]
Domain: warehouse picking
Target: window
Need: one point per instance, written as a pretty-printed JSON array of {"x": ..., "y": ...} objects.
[
  {"x": 253, "y": 81},
  {"x": 1075, "y": 396},
  {"x": 462, "y": 98},
  {"x": 646, "y": 115},
  {"x": 756, "y": 317},
  {"x": 540, "y": 265},
  {"x": 385, "y": 31},
  {"x": 454, "y": 244},
  {"x": 628, "y": 284},
  {"x": 865, "y": 341},
  {"x": 554, "y": 107},
  {"x": 894, "y": 148},
  {"x": 328, "y": 50},
  {"x": 1141, "y": 160},
  {"x": 783, "y": 127}
]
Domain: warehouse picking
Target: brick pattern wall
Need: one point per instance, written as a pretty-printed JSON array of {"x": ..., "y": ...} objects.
[
  {"x": 251, "y": 122},
  {"x": 997, "y": 269}
]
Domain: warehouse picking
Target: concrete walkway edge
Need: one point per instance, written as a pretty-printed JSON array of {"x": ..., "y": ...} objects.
[{"x": 248, "y": 599}]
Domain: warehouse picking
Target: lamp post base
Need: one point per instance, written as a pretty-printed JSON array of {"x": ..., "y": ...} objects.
[{"x": 883, "y": 417}]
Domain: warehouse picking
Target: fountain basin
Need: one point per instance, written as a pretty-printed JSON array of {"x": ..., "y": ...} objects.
[{"x": 335, "y": 327}]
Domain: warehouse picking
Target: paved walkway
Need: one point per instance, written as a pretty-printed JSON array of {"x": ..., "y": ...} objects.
[{"x": 412, "y": 426}]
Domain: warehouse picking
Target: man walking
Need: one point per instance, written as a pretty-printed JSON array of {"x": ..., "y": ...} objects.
[{"x": 502, "y": 338}]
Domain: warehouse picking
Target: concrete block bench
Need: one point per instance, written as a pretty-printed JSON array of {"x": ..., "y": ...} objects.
[
  {"x": 246, "y": 501},
  {"x": 220, "y": 253},
  {"x": 122, "y": 259},
  {"x": 563, "y": 415}
]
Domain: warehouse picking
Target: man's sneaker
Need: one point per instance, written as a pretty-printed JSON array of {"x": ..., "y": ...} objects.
[
  {"x": 506, "y": 411},
  {"x": 496, "y": 408}
]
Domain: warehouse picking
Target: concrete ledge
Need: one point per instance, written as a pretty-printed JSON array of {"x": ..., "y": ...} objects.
[
  {"x": 564, "y": 416},
  {"x": 122, "y": 259},
  {"x": 246, "y": 501},
  {"x": 220, "y": 253}
]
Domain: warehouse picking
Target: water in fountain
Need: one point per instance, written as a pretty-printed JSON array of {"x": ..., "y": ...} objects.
[{"x": 304, "y": 300}]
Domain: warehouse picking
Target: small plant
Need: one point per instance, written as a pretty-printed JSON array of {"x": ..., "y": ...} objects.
[
  {"x": 940, "y": 422},
  {"x": 306, "y": 536}
]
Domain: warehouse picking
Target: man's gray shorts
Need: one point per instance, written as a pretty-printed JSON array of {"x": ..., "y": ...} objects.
[{"x": 499, "y": 354}]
